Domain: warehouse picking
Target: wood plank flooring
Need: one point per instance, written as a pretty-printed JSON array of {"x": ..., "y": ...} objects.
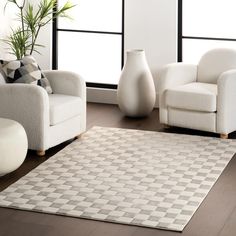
[{"x": 215, "y": 217}]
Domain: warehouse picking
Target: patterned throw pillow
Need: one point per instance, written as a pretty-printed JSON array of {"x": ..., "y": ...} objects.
[{"x": 25, "y": 71}]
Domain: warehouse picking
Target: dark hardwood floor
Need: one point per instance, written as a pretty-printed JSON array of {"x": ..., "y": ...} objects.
[{"x": 215, "y": 216}]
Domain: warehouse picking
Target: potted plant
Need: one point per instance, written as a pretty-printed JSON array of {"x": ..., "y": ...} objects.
[{"x": 23, "y": 39}]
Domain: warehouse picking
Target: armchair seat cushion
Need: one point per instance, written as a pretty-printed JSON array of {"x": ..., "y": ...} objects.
[
  {"x": 63, "y": 107},
  {"x": 193, "y": 96}
]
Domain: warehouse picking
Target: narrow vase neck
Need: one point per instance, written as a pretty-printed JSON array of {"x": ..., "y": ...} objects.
[{"x": 135, "y": 53}]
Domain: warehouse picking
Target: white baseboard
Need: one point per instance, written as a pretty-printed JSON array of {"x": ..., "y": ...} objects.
[{"x": 108, "y": 96}]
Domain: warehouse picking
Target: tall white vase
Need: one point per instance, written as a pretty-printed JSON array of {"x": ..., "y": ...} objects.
[{"x": 136, "y": 91}]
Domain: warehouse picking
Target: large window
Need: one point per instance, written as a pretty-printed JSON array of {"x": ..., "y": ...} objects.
[
  {"x": 92, "y": 42},
  {"x": 203, "y": 25}
]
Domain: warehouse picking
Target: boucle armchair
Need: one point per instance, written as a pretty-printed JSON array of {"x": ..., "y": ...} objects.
[
  {"x": 48, "y": 119},
  {"x": 202, "y": 96}
]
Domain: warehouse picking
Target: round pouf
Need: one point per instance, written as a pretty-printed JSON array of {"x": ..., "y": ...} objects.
[
  {"x": 136, "y": 91},
  {"x": 13, "y": 145}
]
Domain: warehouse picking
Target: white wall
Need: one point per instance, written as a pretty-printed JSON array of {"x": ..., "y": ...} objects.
[
  {"x": 151, "y": 25},
  {"x": 6, "y": 21},
  {"x": 44, "y": 59}
]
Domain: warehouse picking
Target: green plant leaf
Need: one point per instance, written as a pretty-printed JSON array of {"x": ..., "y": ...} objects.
[{"x": 33, "y": 17}]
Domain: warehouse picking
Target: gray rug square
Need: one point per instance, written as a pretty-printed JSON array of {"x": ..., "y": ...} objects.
[{"x": 135, "y": 177}]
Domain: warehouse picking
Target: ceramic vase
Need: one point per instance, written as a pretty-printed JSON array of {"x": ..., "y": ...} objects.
[{"x": 136, "y": 90}]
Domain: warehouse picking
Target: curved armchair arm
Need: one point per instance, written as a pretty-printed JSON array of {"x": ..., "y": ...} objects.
[
  {"x": 66, "y": 82},
  {"x": 226, "y": 108},
  {"x": 171, "y": 76},
  {"x": 69, "y": 83},
  {"x": 27, "y": 104}
]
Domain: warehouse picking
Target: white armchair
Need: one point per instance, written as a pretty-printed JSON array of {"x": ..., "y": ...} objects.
[
  {"x": 202, "y": 96},
  {"x": 48, "y": 119}
]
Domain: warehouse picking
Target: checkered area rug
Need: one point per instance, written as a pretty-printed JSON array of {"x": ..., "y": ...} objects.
[{"x": 125, "y": 176}]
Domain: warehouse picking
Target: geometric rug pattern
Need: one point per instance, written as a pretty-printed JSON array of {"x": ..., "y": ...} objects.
[{"x": 126, "y": 176}]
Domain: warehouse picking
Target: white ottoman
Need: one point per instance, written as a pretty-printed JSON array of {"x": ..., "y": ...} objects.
[{"x": 13, "y": 145}]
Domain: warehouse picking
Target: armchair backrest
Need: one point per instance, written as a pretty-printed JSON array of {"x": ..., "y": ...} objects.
[{"x": 215, "y": 62}]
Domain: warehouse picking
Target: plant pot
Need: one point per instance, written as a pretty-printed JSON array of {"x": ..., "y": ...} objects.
[{"x": 136, "y": 90}]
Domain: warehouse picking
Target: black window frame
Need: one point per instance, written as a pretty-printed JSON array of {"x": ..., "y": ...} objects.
[
  {"x": 55, "y": 31},
  {"x": 181, "y": 36}
]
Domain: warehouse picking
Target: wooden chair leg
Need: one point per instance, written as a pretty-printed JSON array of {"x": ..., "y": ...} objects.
[
  {"x": 79, "y": 136},
  {"x": 224, "y": 136},
  {"x": 40, "y": 153},
  {"x": 166, "y": 126}
]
